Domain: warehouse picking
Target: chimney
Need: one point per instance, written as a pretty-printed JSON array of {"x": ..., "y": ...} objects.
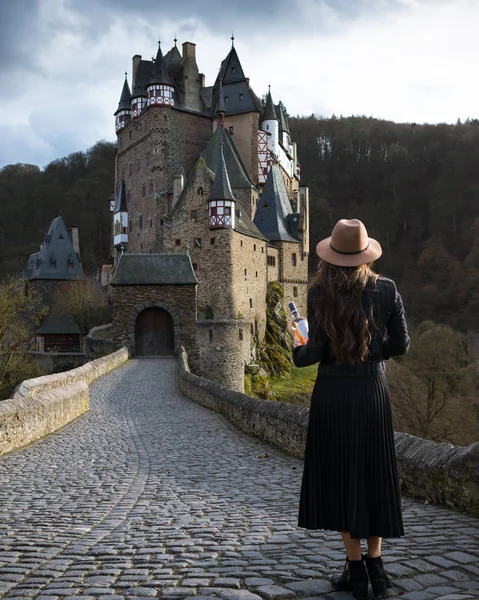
[
  {"x": 189, "y": 50},
  {"x": 136, "y": 64},
  {"x": 178, "y": 184},
  {"x": 202, "y": 80},
  {"x": 73, "y": 231}
]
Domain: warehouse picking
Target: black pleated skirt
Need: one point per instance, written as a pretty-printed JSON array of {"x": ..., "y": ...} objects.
[{"x": 350, "y": 481}]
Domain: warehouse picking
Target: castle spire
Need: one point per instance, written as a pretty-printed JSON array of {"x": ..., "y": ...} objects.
[
  {"x": 269, "y": 114},
  {"x": 123, "y": 112},
  {"x": 160, "y": 74},
  {"x": 221, "y": 203},
  {"x": 160, "y": 89}
]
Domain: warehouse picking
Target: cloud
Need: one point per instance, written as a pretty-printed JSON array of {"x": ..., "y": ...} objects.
[{"x": 61, "y": 70}]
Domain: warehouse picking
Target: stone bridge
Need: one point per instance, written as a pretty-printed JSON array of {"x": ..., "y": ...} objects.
[{"x": 149, "y": 495}]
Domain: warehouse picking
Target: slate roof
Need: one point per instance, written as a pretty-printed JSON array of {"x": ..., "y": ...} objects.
[
  {"x": 55, "y": 255},
  {"x": 142, "y": 78},
  {"x": 154, "y": 269},
  {"x": 125, "y": 98},
  {"x": 282, "y": 117},
  {"x": 173, "y": 60},
  {"x": 235, "y": 87},
  {"x": 121, "y": 205},
  {"x": 221, "y": 189},
  {"x": 160, "y": 73},
  {"x": 62, "y": 324},
  {"x": 274, "y": 207},
  {"x": 245, "y": 225},
  {"x": 269, "y": 113},
  {"x": 211, "y": 154}
]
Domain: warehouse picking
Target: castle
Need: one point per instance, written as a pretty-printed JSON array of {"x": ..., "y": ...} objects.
[{"x": 208, "y": 208}]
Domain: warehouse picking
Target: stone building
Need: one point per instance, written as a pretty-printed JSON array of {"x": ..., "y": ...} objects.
[
  {"x": 210, "y": 174},
  {"x": 50, "y": 272}
]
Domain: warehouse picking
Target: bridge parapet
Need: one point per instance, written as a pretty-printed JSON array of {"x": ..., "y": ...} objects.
[
  {"x": 44, "y": 404},
  {"x": 437, "y": 473}
]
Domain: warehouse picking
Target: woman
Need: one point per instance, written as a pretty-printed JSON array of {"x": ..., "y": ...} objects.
[{"x": 350, "y": 483}]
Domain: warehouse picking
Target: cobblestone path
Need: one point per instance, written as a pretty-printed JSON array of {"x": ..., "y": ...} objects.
[{"x": 152, "y": 496}]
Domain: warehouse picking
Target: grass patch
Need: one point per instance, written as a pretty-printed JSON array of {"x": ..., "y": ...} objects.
[{"x": 297, "y": 387}]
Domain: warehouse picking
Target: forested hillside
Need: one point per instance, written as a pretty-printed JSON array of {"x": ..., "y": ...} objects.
[
  {"x": 76, "y": 187},
  {"x": 415, "y": 186}
]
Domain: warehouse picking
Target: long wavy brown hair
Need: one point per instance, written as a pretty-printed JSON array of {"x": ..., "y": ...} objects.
[{"x": 339, "y": 310}]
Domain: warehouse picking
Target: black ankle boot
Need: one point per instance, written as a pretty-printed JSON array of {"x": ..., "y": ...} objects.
[
  {"x": 341, "y": 582},
  {"x": 358, "y": 579},
  {"x": 379, "y": 580}
]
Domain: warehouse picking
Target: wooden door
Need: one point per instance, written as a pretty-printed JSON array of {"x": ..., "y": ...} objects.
[{"x": 154, "y": 334}]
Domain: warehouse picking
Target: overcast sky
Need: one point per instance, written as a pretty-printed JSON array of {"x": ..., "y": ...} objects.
[{"x": 62, "y": 62}]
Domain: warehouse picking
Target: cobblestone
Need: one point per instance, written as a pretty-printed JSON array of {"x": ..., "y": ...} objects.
[{"x": 149, "y": 495}]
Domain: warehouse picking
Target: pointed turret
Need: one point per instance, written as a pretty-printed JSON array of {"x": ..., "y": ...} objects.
[
  {"x": 221, "y": 203},
  {"x": 139, "y": 95},
  {"x": 160, "y": 87},
  {"x": 274, "y": 214},
  {"x": 123, "y": 112},
  {"x": 120, "y": 219},
  {"x": 269, "y": 114},
  {"x": 269, "y": 123}
]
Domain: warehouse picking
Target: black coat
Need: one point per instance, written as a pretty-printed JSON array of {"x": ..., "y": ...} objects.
[{"x": 389, "y": 335}]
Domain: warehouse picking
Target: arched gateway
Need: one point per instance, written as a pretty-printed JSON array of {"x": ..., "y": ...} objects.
[{"x": 154, "y": 333}]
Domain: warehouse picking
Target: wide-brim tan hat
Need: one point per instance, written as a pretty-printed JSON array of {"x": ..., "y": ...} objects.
[{"x": 349, "y": 245}]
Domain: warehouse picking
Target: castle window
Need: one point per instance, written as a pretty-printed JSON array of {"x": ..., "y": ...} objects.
[
  {"x": 267, "y": 127},
  {"x": 147, "y": 159},
  {"x": 211, "y": 335},
  {"x": 245, "y": 272},
  {"x": 271, "y": 261},
  {"x": 177, "y": 242},
  {"x": 193, "y": 214},
  {"x": 231, "y": 129},
  {"x": 137, "y": 164},
  {"x": 161, "y": 222},
  {"x": 130, "y": 226},
  {"x": 254, "y": 247},
  {"x": 143, "y": 190},
  {"x": 212, "y": 241},
  {"x": 141, "y": 246},
  {"x": 262, "y": 249},
  {"x": 197, "y": 243},
  {"x": 151, "y": 225},
  {"x": 200, "y": 191},
  {"x": 140, "y": 221},
  {"x": 295, "y": 292},
  {"x": 251, "y": 302},
  {"x": 241, "y": 243},
  {"x": 293, "y": 259},
  {"x": 251, "y": 330},
  {"x": 195, "y": 266},
  {"x": 151, "y": 186},
  {"x": 156, "y": 150},
  {"x": 240, "y": 334},
  {"x": 241, "y": 96},
  {"x": 150, "y": 250},
  {"x": 130, "y": 169},
  {"x": 256, "y": 273}
]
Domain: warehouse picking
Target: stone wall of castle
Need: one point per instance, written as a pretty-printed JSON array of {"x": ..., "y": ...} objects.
[
  {"x": 222, "y": 345},
  {"x": 294, "y": 275},
  {"x": 151, "y": 150},
  {"x": 249, "y": 281},
  {"x": 179, "y": 301}
]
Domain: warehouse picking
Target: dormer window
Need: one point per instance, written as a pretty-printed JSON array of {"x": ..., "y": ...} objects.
[
  {"x": 233, "y": 69},
  {"x": 226, "y": 99},
  {"x": 241, "y": 96},
  {"x": 200, "y": 191}
]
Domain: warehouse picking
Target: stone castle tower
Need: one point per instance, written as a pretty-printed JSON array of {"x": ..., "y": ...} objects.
[{"x": 207, "y": 188}]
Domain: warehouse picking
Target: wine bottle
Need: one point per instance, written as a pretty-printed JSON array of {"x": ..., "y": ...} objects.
[{"x": 301, "y": 329}]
